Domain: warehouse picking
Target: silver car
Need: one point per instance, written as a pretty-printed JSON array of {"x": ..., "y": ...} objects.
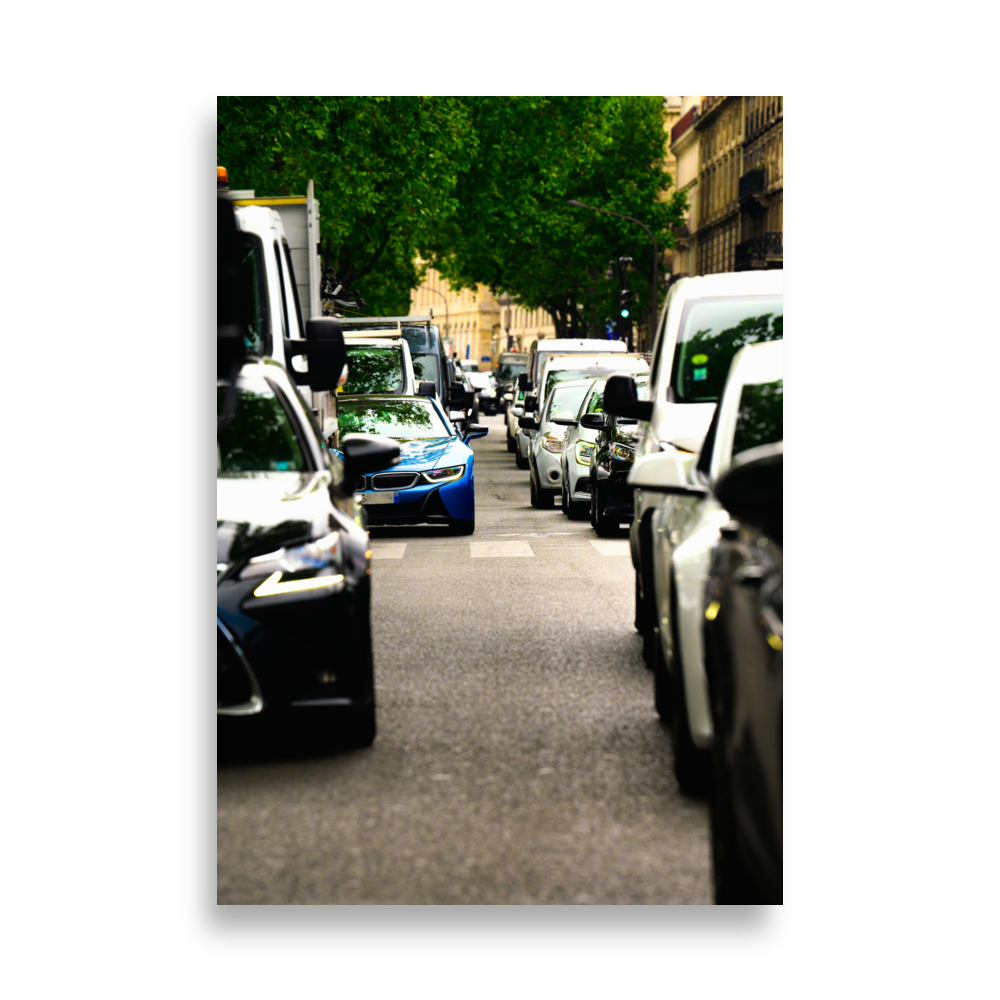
[
  {"x": 546, "y": 449},
  {"x": 578, "y": 447}
]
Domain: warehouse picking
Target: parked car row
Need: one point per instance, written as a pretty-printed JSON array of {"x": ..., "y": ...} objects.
[{"x": 687, "y": 451}]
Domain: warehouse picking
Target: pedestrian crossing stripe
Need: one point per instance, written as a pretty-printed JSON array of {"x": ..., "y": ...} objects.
[{"x": 502, "y": 550}]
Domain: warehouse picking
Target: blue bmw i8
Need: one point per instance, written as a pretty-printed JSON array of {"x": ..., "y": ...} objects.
[{"x": 433, "y": 481}]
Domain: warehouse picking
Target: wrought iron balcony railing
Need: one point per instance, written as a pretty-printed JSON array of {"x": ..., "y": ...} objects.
[{"x": 758, "y": 251}]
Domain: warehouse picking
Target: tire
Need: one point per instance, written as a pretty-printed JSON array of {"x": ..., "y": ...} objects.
[
  {"x": 640, "y": 608},
  {"x": 362, "y": 727},
  {"x": 662, "y": 691},
  {"x": 691, "y": 765},
  {"x": 535, "y": 502},
  {"x": 603, "y": 525},
  {"x": 546, "y": 499},
  {"x": 462, "y": 527},
  {"x": 564, "y": 499},
  {"x": 511, "y": 443},
  {"x": 522, "y": 463},
  {"x": 733, "y": 884},
  {"x": 593, "y": 503}
]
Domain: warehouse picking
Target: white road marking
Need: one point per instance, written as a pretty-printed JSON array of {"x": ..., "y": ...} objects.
[
  {"x": 492, "y": 550},
  {"x": 612, "y": 547},
  {"x": 388, "y": 550}
]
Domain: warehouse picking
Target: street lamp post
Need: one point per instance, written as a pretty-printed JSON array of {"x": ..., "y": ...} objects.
[{"x": 655, "y": 275}]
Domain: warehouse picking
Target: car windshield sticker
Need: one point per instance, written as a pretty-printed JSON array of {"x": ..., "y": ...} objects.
[
  {"x": 700, "y": 374},
  {"x": 699, "y": 359}
]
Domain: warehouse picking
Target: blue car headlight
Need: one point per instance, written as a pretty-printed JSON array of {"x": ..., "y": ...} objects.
[{"x": 448, "y": 475}]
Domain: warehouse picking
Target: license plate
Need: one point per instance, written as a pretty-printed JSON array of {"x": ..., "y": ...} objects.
[{"x": 383, "y": 497}]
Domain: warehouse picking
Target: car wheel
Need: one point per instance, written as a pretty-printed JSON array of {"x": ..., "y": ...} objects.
[
  {"x": 546, "y": 499},
  {"x": 534, "y": 492},
  {"x": 361, "y": 729},
  {"x": 732, "y": 880},
  {"x": 691, "y": 765},
  {"x": 462, "y": 527},
  {"x": 603, "y": 525},
  {"x": 564, "y": 499},
  {"x": 521, "y": 463},
  {"x": 511, "y": 443},
  {"x": 593, "y": 503},
  {"x": 662, "y": 692}
]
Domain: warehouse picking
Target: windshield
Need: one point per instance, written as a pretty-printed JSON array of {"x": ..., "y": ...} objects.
[
  {"x": 406, "y": 419},
  {"x": 374, "y": 369},
  {"x": 573, "y": 374},
  {"x": 425, "y": 368},
  {"x": 261, "y": 438},
  {"x": 508, "y": 372},
  {"x": 568, "y": 398},
  {"x": 253, "y": 267},
  {"x": 712, "y": 331},
  {"x": 760, "y": 417}
]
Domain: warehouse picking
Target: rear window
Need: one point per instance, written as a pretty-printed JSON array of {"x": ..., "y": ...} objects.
[
  {"x": 760, "y": 417},
  {"x": 374, "y": 370},
  {"x": 712, "y": 331},
  {"x": 425, "y": 368}
]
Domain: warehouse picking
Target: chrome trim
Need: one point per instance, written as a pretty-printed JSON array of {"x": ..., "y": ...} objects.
[
  {"x": 256, "y": 702},
  {"x": 381, "y": 475}
]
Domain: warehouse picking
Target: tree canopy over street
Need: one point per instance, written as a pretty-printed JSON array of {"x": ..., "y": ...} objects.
[{"x": 475, "y": 186}]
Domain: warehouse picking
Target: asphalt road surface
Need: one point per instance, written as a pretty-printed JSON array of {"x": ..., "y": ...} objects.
[{"x": 518, "y": 759}]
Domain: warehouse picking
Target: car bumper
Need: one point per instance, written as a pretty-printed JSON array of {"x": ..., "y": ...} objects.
[
  {"x": 423, "y": 504},
  {"x": 549, "y": 469},
  {"x": 278, "y": 655},
  {"x": 616, "y": 495}
]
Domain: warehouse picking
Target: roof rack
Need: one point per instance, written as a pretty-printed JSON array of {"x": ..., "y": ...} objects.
[{"x": 374, "y": 320}]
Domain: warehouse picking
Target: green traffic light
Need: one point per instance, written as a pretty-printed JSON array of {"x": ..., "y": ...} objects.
[{"x": 624, "y": 314}]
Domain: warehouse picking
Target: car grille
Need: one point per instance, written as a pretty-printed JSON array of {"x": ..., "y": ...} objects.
[{"x": 394, "y": 480}]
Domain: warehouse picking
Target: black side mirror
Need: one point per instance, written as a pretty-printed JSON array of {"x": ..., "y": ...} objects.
[
  {"x": 527, "y": 423},
  {"x": 475, "y": 431},
  {"x": 523, "y": 382},
  {"x": 325, "y": 351},
  {"x": 530, "y": 404},
  {"x": 365, "y": 453},
  {"x": 592, "y": 421},
  {"x": 456, "y": 396},
  {"x": 426, "y": 389},
  {"x": 622, "y": 399},
  {"x": 752, "y": 489}
]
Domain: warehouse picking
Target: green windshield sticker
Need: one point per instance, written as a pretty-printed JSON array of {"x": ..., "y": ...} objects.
[
  {"x": 700, "y": 374},
  {"x": 699, "y": 359}
]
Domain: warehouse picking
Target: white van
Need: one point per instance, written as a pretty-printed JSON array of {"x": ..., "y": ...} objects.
[{"x": 554, "y": 345}]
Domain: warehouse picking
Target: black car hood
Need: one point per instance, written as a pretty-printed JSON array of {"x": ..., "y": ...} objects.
[{"x": 258, "y": 512}]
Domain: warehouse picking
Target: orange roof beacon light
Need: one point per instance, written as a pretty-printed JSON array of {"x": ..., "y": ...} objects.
[{"x": 223, "y": 177}]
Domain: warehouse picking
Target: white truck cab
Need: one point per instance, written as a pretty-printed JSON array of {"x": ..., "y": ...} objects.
[{"x": 280, "y": 238}]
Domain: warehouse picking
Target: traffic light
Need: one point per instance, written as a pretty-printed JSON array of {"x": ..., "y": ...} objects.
[{"x": 624, "y": 303}]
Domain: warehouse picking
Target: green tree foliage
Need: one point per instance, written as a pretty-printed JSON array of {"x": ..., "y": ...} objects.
[
  {"x": 383, "y": 169},
  {"x": 514, "y": 231},
  {"x": 476, "y": 185}
]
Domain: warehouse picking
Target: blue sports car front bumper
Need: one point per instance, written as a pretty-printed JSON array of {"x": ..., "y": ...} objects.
[{"x": 423, "y": 503}]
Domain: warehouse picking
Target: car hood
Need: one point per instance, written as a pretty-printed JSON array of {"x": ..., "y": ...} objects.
[
  {"x": 430, "y": 454},
  {"x": 258, "y": 512}
]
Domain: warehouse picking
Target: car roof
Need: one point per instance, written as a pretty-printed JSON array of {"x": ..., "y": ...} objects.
[{"x": 732, "y": 283}]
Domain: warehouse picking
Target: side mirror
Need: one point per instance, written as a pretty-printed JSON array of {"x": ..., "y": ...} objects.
[
  {"x": 325, "y": 351},
  {"x": 564, "y": 418},
  {"x": 517, "y": 411},
  {"x": 752, "y": 489},
  {"x": 530, "y": 404},
  {"x": 621, "y": 399},
  {"x": 365, "y": 453},
  {"x": 662, "y": 472},
  {"x": 456, "y": 415},
  {"x": 508, "y": 396},
  {"x": 456, "y": 395},
  {"x": 523, "y": 382},
  {"x": 426, "y": 389},
  {"x": 527, "y": 423},
  {"x": 592, "y": 421},
  {"x": 475, "y": 431}
]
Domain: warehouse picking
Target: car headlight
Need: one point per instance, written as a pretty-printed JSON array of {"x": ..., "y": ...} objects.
[
  {"x": 622, "y": 452},
  {"x": 448, "y": 475},
  {"x": 584, "y": 450},
  {"x": 553, "y": 443},
  {"x": 306, "y": 567}
]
